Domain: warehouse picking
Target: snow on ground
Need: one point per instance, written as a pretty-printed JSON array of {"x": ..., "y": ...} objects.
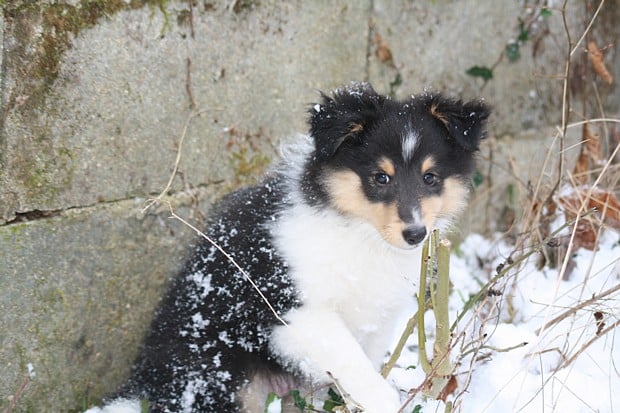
[{"x": 566, "y": 368}]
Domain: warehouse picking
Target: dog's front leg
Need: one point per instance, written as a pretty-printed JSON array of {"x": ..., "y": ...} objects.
[{"x": 317, "y": 341}]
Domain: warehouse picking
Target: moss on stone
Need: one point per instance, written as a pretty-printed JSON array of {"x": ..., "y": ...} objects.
[{"x": 42, "y": 31}]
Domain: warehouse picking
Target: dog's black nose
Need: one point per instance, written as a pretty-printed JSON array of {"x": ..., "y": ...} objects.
[{"x": 414, "y": 235}]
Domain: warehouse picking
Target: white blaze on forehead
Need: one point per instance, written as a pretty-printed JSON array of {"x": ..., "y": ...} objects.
[{"x": 409, "y": 144}]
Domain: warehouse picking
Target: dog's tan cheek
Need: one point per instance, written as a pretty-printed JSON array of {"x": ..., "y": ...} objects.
[
  {"x": 455, "y": 196},
  {"x": 450, "y": 203},
  {"x": 347, "y": 196},
  {"x": 430, "y": 208}
]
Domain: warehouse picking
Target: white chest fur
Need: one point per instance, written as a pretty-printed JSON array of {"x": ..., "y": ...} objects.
[{"x": 354, "y": 286}]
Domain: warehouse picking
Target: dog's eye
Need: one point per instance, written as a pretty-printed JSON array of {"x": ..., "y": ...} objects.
[
  {"x": 382, "y": 178},
  {"x": 430, "y": 179}
]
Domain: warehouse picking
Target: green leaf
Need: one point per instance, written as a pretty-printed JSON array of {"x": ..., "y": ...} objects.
[
  {"x": 545, "y": 12},
  {"x": 334, "y": 400},
  {"x": 512, "y": 51},
  {"x": 417, "y": 409},
  {"x": 271, "y": 397},
  {"x": 398, "y": 80},
  {"x": 510, "y": 190},
  {"x": 524, "y": 35},
  {"x": 300, "y": 402},
  {"x": 480, "y": 71},
  {"x": 478, "y": 178}
]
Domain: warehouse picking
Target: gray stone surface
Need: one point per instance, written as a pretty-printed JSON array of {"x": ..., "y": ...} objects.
[
  {"x": 108, "y": 127},
  {"x": 94, "y": 106},
  {"x": 76, "y": 292}
]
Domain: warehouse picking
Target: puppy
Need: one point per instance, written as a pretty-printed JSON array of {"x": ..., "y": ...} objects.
[{"x": 304, "y": 275}]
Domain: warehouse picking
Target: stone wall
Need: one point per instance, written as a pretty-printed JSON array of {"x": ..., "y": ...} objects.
[{"x": 98, "y": 97}]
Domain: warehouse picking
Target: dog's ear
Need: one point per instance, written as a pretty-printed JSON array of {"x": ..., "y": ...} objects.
[
  {"x": 465, "y": 122},
  {"x": 343, "y": 117}
]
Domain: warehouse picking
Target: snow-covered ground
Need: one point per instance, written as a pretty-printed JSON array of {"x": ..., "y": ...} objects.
[{"x": 565, "y": 368}]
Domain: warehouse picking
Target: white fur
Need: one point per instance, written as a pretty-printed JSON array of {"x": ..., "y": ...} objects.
[
  {"x": 118, "y": 406},
  {"x": 409, "y": 144},
  {"x": 354, "y": 286}
]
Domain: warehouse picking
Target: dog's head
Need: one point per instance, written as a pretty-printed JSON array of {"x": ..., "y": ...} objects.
[{"x": 402, "y": 166}]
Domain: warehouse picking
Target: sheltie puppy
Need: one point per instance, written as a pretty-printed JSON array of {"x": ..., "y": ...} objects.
[{"x": 306, "y": 274}]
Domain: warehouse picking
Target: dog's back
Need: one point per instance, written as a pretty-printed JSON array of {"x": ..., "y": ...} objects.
[{"x": 212, "y": 327}]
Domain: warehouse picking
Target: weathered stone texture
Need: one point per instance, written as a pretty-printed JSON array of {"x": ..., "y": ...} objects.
[
  {"x": 108, "y": 126},
  {"x": 76, "y": 293}
]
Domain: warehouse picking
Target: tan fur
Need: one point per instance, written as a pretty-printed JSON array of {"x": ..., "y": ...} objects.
[
  {"x": 348, "y": 196},
  {"x": 427, "y": 164},
  {"x": 356, "y": 127},
  {"x": 387, "y": 166},
  {"x": 437, "y": 114},
  {"x": 449, "y": 203}
]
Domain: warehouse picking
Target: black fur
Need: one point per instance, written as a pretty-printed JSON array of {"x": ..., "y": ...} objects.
[{"x": 181, "y": 348}]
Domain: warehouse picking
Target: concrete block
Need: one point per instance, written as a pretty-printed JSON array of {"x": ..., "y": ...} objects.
[
  {"x": 106, "y": 124},
  {"x": 77, "y": 291}
]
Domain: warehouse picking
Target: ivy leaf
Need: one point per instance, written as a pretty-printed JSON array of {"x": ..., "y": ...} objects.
[
  {"x": 480, "y": 71},
  {"x": 299, "y": 401},
  {"x": 334, "y": 400},
  {"x": 478, "y": 178},
  {"x": 524, "y": 35},
  {"x": 417, "y": 409},
  {"x": 512, "y": 51}
]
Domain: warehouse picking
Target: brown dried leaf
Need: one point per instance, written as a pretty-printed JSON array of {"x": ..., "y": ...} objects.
[
  {"x": 383, "y": 51},
  {"x": 582, "y": 167},
  {"x": 600, "y": 323},
  {"x": 585, "y": 236},
  {"x": 598, "y": 64},
  {"x": 593, "y": 144},
  {"x": 449, "y": 388},
  {"x": 606, "y": 204}
]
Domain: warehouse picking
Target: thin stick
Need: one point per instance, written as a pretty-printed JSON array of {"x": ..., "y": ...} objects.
[
  {"x": 177, "y": 161},
  {"x": 583, "y": 122},
  {"x": 188, "y": 78},
  {"x": 389, "y": 365},
  {"x": 18, "y": 394},
  {"x": 475, "y": 298},
  {"x": 589, "y": 342},
  {"x": 232, "y": 260},
  {"x": 576, "y": 308},
  {"x": 346, "y": 397},
  {"x": 413, "y": 392},
  {"x": 587, "y": 30},
  {"x": 426, "y": 366}
]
